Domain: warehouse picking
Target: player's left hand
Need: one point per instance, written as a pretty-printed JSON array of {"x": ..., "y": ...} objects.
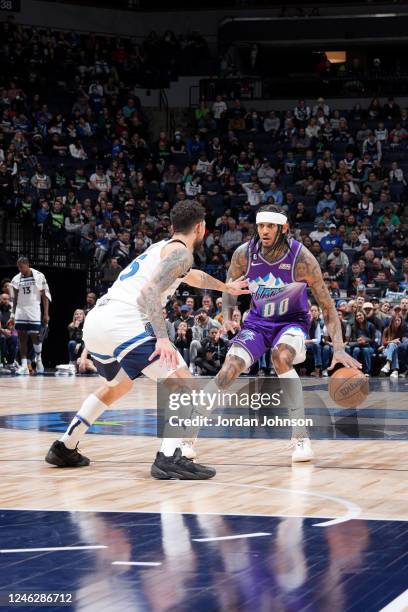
[
  {"x": 46, "y": 319},
  {"x": 345, "y": 359},
  {"x": 167, "y": 352},
  {"x": 238, "y": 286},
  {"x": 227, "y": 325}
]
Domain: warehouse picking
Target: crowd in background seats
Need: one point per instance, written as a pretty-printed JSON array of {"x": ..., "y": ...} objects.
[{"x": 79, "y": 166}]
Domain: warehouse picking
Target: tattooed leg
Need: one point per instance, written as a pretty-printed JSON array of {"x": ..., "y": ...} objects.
[
  {"x": 232, "y": 368},
  {"x": 282, "y": 357}
]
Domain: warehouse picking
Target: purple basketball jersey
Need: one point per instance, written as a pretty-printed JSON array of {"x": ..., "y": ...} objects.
[
  {"x": 279, "y": 303},
  {"x": 276, "y": 296}
]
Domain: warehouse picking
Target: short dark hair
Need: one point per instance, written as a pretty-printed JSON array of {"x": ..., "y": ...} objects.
[
  {"x": 185, "y": 215},
  {"x": 23, "y": 260}
]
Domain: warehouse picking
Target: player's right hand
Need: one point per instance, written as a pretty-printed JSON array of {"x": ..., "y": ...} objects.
[{"x": 167, "y": 353}]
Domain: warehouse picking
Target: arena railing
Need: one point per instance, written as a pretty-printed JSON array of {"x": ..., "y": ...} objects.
[{"x": 304, "y": 86}]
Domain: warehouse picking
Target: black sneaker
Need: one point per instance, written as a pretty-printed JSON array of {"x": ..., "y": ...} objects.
[
  {"x": 180, "y": 468},
  {"x": 62, "y": 456}
]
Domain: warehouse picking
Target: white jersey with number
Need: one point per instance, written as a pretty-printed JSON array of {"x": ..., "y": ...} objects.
[
  {"x": 118, "y": 323},
  {"x": 140, "y": 271},
  {"x": 28, "y": 309}
]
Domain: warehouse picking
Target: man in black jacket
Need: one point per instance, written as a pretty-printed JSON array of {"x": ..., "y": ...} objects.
[{"x": 212, "y": 354}]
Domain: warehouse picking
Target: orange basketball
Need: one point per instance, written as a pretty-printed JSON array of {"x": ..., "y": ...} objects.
[{"x": 348, "y": 387}]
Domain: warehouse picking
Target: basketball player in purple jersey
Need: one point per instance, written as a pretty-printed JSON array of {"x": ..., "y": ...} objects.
[{"x": 279, "y": 270}]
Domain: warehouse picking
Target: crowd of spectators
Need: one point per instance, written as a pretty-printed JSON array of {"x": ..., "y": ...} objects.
[
  {"x": 77, "y": 162},
  {"x": 47, "y": 57},
  {"x": 375, "y": 333}
]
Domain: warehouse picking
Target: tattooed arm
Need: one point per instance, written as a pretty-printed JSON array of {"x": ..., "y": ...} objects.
[
  {"x": 201, "y": 280},
  {"x": 308, "y": 270},
  {"x": 237, "y": 268},
  {"x": 175, "y": 264}
]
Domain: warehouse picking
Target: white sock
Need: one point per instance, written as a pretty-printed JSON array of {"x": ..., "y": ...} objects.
[
  {"x": 82, "y": 421},
  {"x": 37, "y": 349},
  {"x": 169, "y": 445},
  {"x": 295, "y": 401},
  {"x": 24, "y": 363}
]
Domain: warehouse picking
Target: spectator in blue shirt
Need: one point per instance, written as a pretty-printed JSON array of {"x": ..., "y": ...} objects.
[
  {"x": 42, "y": 213},
  {"x": 327, "y": 202},
  {"x": 331, "y": 240},
  {"x": 275, "y": 192}
]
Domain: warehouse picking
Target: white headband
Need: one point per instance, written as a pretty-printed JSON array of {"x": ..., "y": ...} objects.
[{"x": 267, "y": 216}]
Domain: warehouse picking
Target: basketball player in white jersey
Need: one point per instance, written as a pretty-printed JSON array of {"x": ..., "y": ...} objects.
[
  {"x": 30, "y": 290},
  {"x": 126, "y": 334}
]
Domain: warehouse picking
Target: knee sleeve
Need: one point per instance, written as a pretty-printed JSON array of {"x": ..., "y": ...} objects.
[{"x": 237, "y": 350}]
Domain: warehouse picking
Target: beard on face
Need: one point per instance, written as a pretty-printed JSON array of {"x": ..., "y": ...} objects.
[{"x": 198, "y": 243}]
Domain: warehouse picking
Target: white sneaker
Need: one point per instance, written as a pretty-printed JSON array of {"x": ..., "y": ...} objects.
[
  {"x": 303, "y": 450},
  {"x": 187, "y": 449},
  {"x": 394, "y": 374},
  {"x": 39, "y": 367},
  {"x": 23, "y": 371},
  {"x": 325, "y": 373},
  {"x": 66, "y": 368},
  {"x": 386, "y": 369}
]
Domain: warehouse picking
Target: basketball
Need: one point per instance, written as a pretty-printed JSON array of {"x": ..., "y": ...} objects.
[{"x": 348, "y": 387}]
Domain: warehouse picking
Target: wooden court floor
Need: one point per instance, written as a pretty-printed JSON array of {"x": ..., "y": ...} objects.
[{"x": 348, "y": 479}]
